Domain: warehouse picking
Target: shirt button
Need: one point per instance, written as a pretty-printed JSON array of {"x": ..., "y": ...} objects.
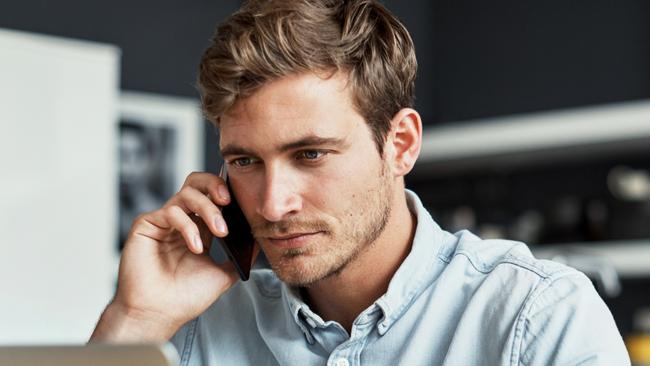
[{"x": 342, "y": 362}]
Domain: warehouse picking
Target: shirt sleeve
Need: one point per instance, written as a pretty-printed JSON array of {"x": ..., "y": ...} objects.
[{"x": 567, "y": 323}]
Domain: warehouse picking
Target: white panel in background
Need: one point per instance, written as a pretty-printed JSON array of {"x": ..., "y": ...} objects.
[{"x": 58, "y": 111}]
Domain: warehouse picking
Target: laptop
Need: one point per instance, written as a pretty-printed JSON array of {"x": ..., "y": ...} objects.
[{"x": 93, "y": 354}]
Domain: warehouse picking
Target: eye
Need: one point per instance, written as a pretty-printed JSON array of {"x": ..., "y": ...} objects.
[
  {"x": 242, "y": 162},
  {"x": 311, "y": 154}
]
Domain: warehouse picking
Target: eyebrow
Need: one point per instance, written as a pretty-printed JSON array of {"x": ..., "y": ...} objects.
[{"x": 307, "y": 141}]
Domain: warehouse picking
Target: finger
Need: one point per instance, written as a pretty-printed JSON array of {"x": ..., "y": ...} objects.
[
  {"x": 209, "y": 184},
  {"x": 152, "y": 225},
  {"x": 196, "y": 202},
  {"x": 206, "y": 233},
  {"x": 158, "y": 225},
  {"x": 180, "y": 221}
]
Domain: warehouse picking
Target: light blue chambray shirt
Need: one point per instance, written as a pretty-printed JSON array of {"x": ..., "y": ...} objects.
[{"x": 455, "y": 300}]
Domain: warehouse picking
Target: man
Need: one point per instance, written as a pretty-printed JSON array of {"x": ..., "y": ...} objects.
[{"x": 313, "y": 101}]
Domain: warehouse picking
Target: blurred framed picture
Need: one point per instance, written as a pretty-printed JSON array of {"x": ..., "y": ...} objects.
[{"x": 160, "y": 142}]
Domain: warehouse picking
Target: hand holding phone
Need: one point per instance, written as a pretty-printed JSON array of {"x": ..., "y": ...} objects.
[{"x": 165, "y": 277}]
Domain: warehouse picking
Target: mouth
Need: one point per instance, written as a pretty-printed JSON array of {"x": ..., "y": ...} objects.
[{"x": 292, "y": 241}]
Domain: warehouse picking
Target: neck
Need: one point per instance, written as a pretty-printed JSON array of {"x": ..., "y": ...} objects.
[{"x": 343, "y": 296}]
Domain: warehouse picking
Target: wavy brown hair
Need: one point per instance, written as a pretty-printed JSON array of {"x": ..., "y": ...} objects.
[{"x": 269, "y": 39}]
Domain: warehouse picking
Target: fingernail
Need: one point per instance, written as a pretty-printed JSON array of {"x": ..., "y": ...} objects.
[
  {"x": 198, "y": 244},
  {"x": 223, "y": 192},
  {"x": 220, "y": 224}
]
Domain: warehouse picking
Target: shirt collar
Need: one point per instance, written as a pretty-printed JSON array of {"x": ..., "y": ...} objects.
[
  {"x": 297, "y": 308},
  {"x": 418, "y": 269}
]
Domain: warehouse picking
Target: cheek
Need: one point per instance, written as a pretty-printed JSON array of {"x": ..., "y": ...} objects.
[
  {"x": 341, "y": 187},
  {"x": 357, "y": 175}
]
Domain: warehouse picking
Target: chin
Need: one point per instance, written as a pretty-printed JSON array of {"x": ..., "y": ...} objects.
[
  {"x": 298, "y": 279},
  {"x": 298, "y": 271}
]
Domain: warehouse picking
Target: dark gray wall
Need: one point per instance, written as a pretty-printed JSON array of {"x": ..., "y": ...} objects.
[
  {"x": 489, "y": 58},
  {"x": 161, "y": 40}
]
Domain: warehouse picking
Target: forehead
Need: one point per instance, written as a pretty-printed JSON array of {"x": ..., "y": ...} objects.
[{"x": 290, "y": 108}]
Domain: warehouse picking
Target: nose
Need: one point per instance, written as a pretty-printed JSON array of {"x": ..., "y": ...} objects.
[{"x": 280, "y": 198}]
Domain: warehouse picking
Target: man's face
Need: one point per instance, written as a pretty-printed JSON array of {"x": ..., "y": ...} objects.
[{"x": 308, "y": 177}]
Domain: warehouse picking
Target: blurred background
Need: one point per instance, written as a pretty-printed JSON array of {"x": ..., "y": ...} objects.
[{"x": 537, "y": 128}]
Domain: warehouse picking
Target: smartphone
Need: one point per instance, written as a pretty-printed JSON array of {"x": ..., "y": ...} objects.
[{"x": 239, "y": 242}]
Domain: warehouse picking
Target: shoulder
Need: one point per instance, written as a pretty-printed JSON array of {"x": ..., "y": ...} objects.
[
  {"x": 488, "y": 255},
  {"x": 506, "y": 271},
  {"x": 565, "y": 321},
  {"x": 558, "y": 317}
]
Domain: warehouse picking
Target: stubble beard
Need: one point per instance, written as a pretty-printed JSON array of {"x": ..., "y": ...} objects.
[{"x": 340, "y": 243}]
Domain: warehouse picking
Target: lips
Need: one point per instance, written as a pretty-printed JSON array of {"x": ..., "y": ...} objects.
[{"x": 295, "y": 240}]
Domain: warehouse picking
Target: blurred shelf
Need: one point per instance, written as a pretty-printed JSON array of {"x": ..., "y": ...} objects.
[
  {"x": 630, "y": 258},
  {"x": 543, "y": 136}
]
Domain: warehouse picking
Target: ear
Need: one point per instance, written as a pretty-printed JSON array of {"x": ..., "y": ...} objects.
[{"x": 405, "y": 140}]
